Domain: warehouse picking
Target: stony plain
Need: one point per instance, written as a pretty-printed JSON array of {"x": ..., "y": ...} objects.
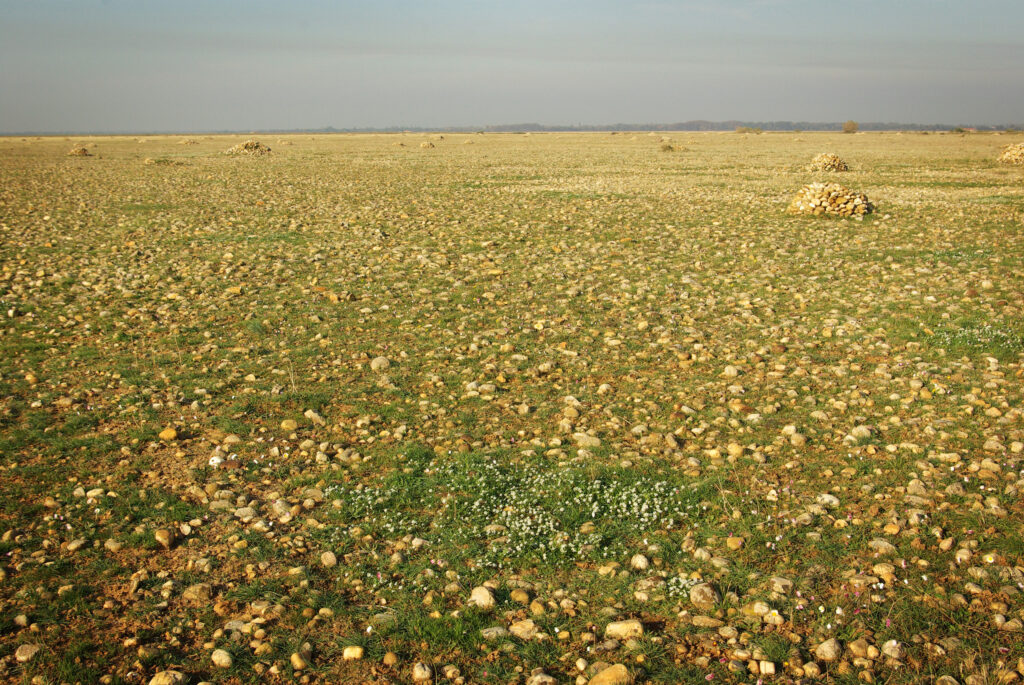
[{"x": 498, "y": 408}]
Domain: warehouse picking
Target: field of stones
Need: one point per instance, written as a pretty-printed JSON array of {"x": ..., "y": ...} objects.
[{"x": 501, "y": 408}]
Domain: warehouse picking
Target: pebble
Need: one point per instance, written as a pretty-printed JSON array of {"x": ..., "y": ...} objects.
[
  {"x": 586, "y": 441},
  {"x": 289, "y": 425},
  {"x": 524, "y": 630},
  {"x": 494, "y": 633},
  {"x": 168, "y": 678},
  {"x": 25, "y": 653},
  {"x": 165, "y": 537},
  {"x": 380, "y": 363},
  {"x": 390, "y": 659},
  {"x": 298, "y": 661},
  {"x": 168, "y": 434},
  {"x": 421, "y": 672},
  {"x": 616, "y": 674},
  {"x": 200, "y": 592},
  {"x": 704, "y": 596},
  {"x": 482, "y": 597},
  {"x": 221, "y": 658},
  {"x": 829, "y": 650},
  {"x": 624, "y": 630},
  {"x": 352, "y": 653},
  {"x": 328, "y": 560}
]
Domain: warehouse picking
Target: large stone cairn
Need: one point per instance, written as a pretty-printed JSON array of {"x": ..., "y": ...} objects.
[
  {"x": 1013, "y": 154},
  {"x": 829, "y": 198},
  {"x": 827, "y": 161},
  {"x": 249, "y": 147}
]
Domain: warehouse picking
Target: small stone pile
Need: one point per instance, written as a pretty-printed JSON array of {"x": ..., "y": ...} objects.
[
  {"x": 1013, "y": 154},
  {"x": 827, "y": 161},
  {"x": 829, "y": 198},
  {"x": 78, "y": 151},
  {"x": 249, "y": 147}
]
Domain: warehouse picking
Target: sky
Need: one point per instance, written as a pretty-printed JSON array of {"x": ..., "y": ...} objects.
[{"x": 208, "y": 65}]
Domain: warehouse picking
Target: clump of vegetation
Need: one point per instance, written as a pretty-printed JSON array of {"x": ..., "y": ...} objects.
[
  {"x": 249, "y": 147},
  {"x": 1013, "y": 154},
  {"x": 78, "y": 151},
  {"x": 851, "y": 126},
  {"x": 827, "y": 161},
  {"x": 426, "y": 145},
  {"x": 668, "y": 147},
  {"x": 748, "y": 129}
]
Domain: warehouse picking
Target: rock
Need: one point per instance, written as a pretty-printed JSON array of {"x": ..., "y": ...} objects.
[
  {"x": 524, "y": 630},
  {"x": 707, "y": 622},
  {"x": 165, "y": 537},
  {"x": 167, "y": 434},
  {"x": 352, "y": 653},
  {"x": 168, "y": 678},
  {"x": 200, "y": 592},
  {"x": 289, "y": 425},
  {"x": 421, "y": 672},
  {"x": 112, "y": 545},
  {"x": 893, "y": 649},
  {"x": 734, "y": 543},
  {"x": 328, "y": 560},
  {"x": 298, "y": 661},
  {"x": 586, "y": 441},
  {"x": 826, "y": 500},
  {"x": 639, "y": 562},
  {"x": 390, "y": 659},
  {"x": 76, "y": 544},
  {"x": 520, "y": 596},
  {"x": 781, "y": 585},
  {"x": 495, "y": 633},
  {"x": 946, "y": 680},
  {"x": 379, "y": 363},
  {"x": 829, "y": 650},
  {"x": 624, "y": 630},
  {"x": 482, "y": 597},
  {"x": 881, "y": 546},
  {"x": 617, "y": 674},
  {"x": 221, "y": 658},
  {"x": 540, "y": 679},
  {"x": 704, "y": 596},
  {"x": 25, "y": 653}
]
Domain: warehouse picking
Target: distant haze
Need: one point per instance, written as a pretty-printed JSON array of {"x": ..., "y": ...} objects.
[{"x": 143, "y": 65}]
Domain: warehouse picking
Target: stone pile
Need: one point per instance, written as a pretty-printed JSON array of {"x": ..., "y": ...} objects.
[
  {"x": 827, "y": 161},
  {"x": 829, "y": 198},
  {"x": 249, "y": 147},
  {"x": 1013, "y": 154}
]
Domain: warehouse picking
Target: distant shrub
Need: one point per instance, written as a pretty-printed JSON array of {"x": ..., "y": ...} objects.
[
  {"x": 748, "y": 129},
  {"x": 850, "y": 126},
  {"x": 667, "y": 147},
  {"x": 78, "y": 151}
]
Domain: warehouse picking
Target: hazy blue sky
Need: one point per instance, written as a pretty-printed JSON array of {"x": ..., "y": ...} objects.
[{"x": 142, "y": 65}]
